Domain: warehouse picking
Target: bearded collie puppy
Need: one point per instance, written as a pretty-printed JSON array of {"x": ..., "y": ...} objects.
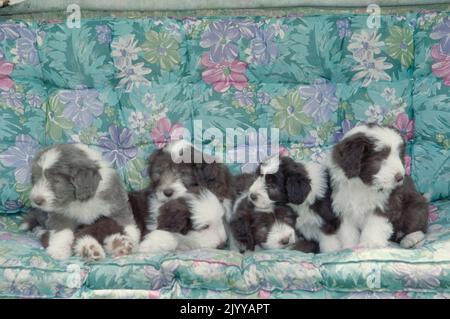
[
  {"x": 252, "y": 229},
  {"x": 80, "y": 204},
  {"x": 374, "y": 198},
  {"x": 187, "y": 200},
  {"x": 305, "y": 188}
]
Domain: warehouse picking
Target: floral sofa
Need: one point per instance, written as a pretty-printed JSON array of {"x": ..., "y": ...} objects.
[{"x": 124, "y": 85}]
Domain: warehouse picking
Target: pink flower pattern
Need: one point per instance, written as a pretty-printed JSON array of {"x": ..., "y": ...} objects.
[
  {"x": 433, "y": 214},
  {"x": 6, "y": 69},
  {"x": 405, "y": 126},
  {"x": 165, "y": 132},
  {"x": 407, "y": 159},
  {"x": 283, "y": 151},
  {"x": 224, "y": 74},
  {"x": 154, "y": 294},
  {"x": 442, "y": 66},
  {"x": 264, "y": 294}
]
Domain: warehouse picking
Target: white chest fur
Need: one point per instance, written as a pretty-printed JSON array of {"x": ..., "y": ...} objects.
[
  {"x": 354, "y": 201},
  {"x": 87, "y": 212},
  {"x": 308, "y": 222}
]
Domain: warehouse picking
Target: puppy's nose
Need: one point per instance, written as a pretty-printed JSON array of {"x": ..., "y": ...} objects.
[
  {"x": 253, "y": 196},
  {"x": 38, "y": 200},
  {"x": 284, "y": 241},
  {"x": 398, "y": 177},
  {"x": 168, "y": 192}
]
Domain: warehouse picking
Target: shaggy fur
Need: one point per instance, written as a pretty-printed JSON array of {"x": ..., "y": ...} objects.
[
  {"x": 73, "y": 190},
  {"x": 242, "y": 182},
  {"x": 252, "y": 229},
  {"x": 371, "y": 193},
  {"x": 185, "y": 199},
  {"x": 303, "y": 187}
]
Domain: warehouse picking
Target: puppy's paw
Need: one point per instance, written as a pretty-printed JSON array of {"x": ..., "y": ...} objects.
[
  {"x": 373, "y": 242},
  {"x": 25, "y": 226},
  {"x": 412, "y": 240},
  {"x": 59, "y": 252},
  {"x": 89, "y": 248},
  {"x": 158, "y": 241},
  {"x": 119, "y": 245},
  {"x": 329, "y": 243},
  {"x": 60, "y": 244},
  {"x": 376, "y": 233}
]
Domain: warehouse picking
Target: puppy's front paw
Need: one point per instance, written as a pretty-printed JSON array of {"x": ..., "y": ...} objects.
[
  {"x": 412, "y": 240},
  {"x": 60, "y": 244},
  {"x": 59, "y": 252},
  {"x": 158, "y": 241},
  {"x": 376, "y": 233},
  {"x": 373, "y": 244},
  {"x": 89, "y": 248},
  {"x": 371, "y": 240},
  {"x": 119, "y": 245}
]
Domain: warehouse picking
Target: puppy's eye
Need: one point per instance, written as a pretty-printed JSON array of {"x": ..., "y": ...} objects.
[
  {"x": 156, "y": 176},
  {"x": 59, "y": 178},
  {"x": 271, "y": 179}
]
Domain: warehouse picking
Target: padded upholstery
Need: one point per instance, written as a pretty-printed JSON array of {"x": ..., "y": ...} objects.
[{"x": 123, "y": 86}]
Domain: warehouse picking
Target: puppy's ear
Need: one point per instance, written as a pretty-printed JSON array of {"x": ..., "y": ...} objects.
[
  {"x": 286, "y": 214},
  {"x": 297, "y": 182},
  {"x": 242, "y": 232},
  {"x": 85, "y": 180},
  {"x": 349, "y": 152},
  {"x": 306, "y": 246},
  {"x": 297, "y": 188},
  {"x": 243, "y": 182},
  {"x": 175, "y": 216}
]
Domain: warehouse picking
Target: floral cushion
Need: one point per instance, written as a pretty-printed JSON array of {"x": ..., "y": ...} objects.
[
  {"x": 128, "y": 86},
  {"x": 27, "y": 271},
  {"x": 431, "y": 152}
]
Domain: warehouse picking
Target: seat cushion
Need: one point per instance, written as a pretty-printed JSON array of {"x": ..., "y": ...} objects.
[{"x": 28, "y": 271}]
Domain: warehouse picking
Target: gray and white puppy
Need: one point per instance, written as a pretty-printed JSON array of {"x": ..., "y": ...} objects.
[{"x": 84, "y": 201}]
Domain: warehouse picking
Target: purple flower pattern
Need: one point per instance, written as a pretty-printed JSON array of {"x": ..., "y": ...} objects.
[
  {"x": 321, "y": 100},
  {"x": 221, "y": 38},
  {"x": 20, "y": 156},
  {"x": 81, "y": 106},
  {"x": 118, "y": 147}
]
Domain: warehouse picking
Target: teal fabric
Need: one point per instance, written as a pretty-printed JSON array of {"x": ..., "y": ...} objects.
[
  {"x": 431, "y": 152},
  {"x": 121, "y": 5},
  {"x": 27, "y": 271},
  {"x": 125, "y": 86}
]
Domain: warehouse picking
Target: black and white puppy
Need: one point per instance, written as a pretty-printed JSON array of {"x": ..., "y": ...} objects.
[
  {"x": 72, "y": 189},
  {"x": 305, "y": 188},
  {"x": 252, "y": 229},
  {"x": 186, "y": 201},
  {"x": 371, "y": 193}
]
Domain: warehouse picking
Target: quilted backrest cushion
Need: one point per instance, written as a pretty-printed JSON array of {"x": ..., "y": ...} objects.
[
  {"x": 431, "y": 151},
  {"x": 23, "y": 117},
  {"x": 126, "y": 86}
]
